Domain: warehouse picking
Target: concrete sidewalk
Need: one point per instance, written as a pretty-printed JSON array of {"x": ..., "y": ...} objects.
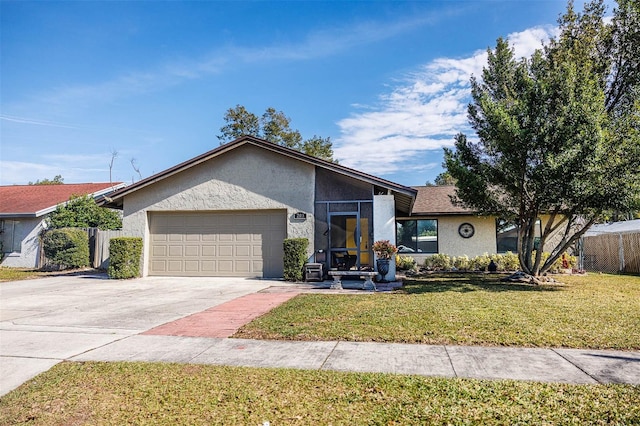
[
  {"x": 82, "y": 318},
  {"x": 545, "y": 365}
]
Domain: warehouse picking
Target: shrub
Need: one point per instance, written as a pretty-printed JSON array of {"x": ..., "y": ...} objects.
[
  {"x": 438, "y": 261},
  {"x": 124, "y": 257},
  {"x": 508, "y": 261},
  {"x": 295, "y": 256},
  {"x": 405, "y": 263},
  {"x": 480, "y": 263},
  {"x": 462, "y": 263},
  {"x": 66, "y": 247}
]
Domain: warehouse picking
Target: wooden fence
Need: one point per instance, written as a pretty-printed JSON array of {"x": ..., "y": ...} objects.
[
  {"x": 99, "y": 246},
  {"x": 616, "y": 252}
]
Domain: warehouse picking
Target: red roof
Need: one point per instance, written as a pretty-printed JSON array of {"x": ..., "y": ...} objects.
[{"x": 36, "y": 200}]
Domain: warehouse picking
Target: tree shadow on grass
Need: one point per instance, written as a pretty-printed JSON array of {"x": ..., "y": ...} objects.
[{"x": 465, "y": 283}]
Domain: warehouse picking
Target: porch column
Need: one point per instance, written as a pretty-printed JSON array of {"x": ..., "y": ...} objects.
[{"x": 384, "y": 225}]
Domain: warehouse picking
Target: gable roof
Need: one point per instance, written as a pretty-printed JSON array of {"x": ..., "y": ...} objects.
[
  {"x": 405, "y": 195},
  {"x": 38, "y": 200},
  {"x": 436, "y": 201}
]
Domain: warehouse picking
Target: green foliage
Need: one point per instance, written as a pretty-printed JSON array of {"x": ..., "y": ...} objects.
[
  {"x": 66, "y": 247},
  {"x": 439, "y": 262},
  {"x": 83, "y": 212},
  {"x": 295, "y": 256},
  {"x": 124, "y": 257},
  {"x": 506, "y": 262},
  {"x": 462, "y": 263},
  {"x": 273, "y": 126},
  {"x": 443, "y": 179},
  {"x": 405, "y": 263},
  {"x": 558, "y": 133},
  {"x": 57, "y": 180}
]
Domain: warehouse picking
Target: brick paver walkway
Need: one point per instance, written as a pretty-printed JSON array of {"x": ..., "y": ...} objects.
[{"x": 225, "y": 319}]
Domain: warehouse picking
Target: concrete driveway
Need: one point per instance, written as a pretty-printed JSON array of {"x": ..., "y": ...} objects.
[{"x": 47, "y": 320}]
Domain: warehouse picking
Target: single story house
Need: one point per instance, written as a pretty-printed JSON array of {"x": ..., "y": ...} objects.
[
  {"x": 23, "y": 209},
  {"x": 227, "y": 212}
]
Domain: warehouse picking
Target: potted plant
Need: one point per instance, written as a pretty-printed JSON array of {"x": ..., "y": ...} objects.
[{"x": 384, "y": 251}]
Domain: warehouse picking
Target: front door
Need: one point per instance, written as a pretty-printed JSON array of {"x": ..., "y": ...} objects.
[{"x": 348, "y": 240}]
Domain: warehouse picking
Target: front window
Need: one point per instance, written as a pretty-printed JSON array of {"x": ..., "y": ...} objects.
[
  {"x": 8, "y": 236},
  {"x": 417, "y": 236}
]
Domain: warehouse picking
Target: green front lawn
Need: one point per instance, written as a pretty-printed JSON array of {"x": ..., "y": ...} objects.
[
  {"x": 176, "y": 394},
  {"x": 593, "y": 311}
]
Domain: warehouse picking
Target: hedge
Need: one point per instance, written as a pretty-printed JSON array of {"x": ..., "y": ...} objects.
[
  {"x": 295, "y": 256},
  {"x": 124, "y": 257},
  {"x": 66, "y": 247}
]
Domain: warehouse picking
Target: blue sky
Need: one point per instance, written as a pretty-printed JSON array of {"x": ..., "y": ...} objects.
[{"x": 387, "y": 81}]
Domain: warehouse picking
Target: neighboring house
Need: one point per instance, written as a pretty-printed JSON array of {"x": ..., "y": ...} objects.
[
  {"x": 23, "y": 209},
  {"x": 227, "y": 212}
]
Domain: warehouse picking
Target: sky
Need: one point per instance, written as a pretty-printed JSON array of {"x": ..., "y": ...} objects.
[{"x": 147, "y": 83}]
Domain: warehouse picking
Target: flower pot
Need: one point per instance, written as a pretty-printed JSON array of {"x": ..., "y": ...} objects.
[{"x": 383, "y": 268}]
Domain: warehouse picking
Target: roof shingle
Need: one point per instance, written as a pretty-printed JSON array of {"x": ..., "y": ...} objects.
[
  {"x": 436, "y": 200},
  {"x": 34, "y": 199}
]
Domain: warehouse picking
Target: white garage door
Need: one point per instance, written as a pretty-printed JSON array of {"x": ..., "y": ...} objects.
[{"x": 223, "y": 244}]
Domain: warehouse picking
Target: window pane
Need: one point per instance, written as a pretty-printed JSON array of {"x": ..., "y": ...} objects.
[
  {"x": 506, "y": 236},
  {"x": 427, "y": 236},
  {"x": 406, "y": 236}
]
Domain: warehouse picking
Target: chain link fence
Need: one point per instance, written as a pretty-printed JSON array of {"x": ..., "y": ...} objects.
[{"x": 613, "y": 253}]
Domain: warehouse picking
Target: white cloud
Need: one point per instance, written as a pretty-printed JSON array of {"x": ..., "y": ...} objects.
[
  {"x": 73, "y": 168},
  {"x": 422, "y": 114}
]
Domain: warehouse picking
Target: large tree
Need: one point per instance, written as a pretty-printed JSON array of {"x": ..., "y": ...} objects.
[
  {"x": 81, "y": 211},
  {"x": 557, "y": 133},
  {"x": 273, "y": 126}
]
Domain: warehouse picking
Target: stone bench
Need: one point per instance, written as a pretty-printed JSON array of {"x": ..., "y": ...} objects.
[{"x": 337, "y": 278}]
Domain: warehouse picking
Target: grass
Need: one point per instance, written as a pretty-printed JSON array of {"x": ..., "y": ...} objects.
[
  {"x": 15, "y": 274},
  {"x": 177, "y": 394},
  {"x": 594, "y": 311}
]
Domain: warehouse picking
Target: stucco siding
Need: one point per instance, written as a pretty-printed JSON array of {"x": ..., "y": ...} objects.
[
  {"x": 451, "y": 243},
  {"x": 483, "y": 241},
  {"x": 26, "y": 234},
  {"x": 247, "y": 178}
]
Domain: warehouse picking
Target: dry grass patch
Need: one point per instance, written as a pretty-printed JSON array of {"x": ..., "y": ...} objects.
[
  {"x": 593, "y": 311},
  {"x": 177, "y": 394},
  {"x": 15, "y": 274}
]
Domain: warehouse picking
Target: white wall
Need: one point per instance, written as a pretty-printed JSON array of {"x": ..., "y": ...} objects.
[{"x": 384, "y": 226}]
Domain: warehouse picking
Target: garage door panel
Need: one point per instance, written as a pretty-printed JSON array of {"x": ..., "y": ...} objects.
[
  {"x": 175, "y": 251},
  {"x": 218, "y": 243},
  {"x": 191, "y": 266},
  {"x": 158, "y": 250},
  {"x": 225, "y": 251},
  {"x": 192, "y": 251},
  {"x": 174, "y": 266},
  {"x": 243, "y": 251},
  {"x": 208, "y": 251}
]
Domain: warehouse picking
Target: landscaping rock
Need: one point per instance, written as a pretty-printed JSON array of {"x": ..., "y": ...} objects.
[{"x": 521, "y": 277}]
